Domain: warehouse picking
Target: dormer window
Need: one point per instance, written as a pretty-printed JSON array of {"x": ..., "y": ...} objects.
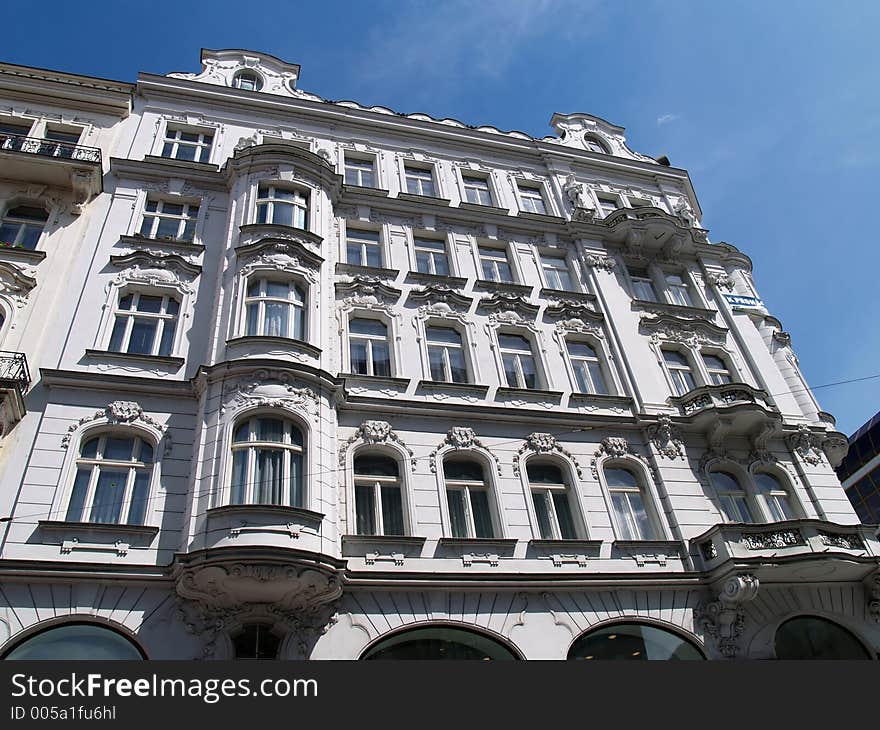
[
  {"x": 247, "y": 81},
  {"x": 594, "y": 145}
]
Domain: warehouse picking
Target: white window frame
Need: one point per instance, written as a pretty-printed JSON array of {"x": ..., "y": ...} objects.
[
  {"x": 648, "y": 496},
  {"x": 172, "y": 134},
  {"x": 465, "y": 175},
  {"x": 599, "y": 360},
  {"x": 97, "y": 463},
  {"x": 711, "y": 372},
  {"x": 543, "y": 257},
  {"x": 388, "y": 339},
  {"x": 301, "y": 202},
  {"x": 540, "y": 379},
  {"x": 417, "y": 238},
  {"x": 183, "y": 219},
  {"x": 783, "y": 491},
  {"x": 362, "y": 159},
  {"x": 466, "y": 486},
  {"x": 252, "y": 446},
  {"x": 673, "y": 373},
  {"x": 162, "y": 318},
  {"x": 257, "y": 80},
  {"x": 294, "y": 306},
  {"x": 529, "y": 191},
  {"x": 424, "y": 168},
  {"x": 546, "y": 491},
  {"x": 23, "y": 222},
  {"x": 637, "y": 278},
  {"x": 351, "y": 232},
  {"x": 672, "y": 289},
  {"x": 502, "y": 251},
  {"x": 376, "y": 482},
  {"x": 603, "y": 196},
  {"x": 464, "y": 348},
  {"x": 740, "y": 495}
]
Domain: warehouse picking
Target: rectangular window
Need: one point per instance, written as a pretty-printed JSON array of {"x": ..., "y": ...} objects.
[
  {"x": 12, "y": 135},
  {"x": 531, "y": 198},
  {"x": 553, "y": 511},
  {"x": 679, "y": 371},
  {"x": 469, "y": 512},
  {"x": 61, "y": 142},
  {"x": 191, "y": 146},
  {"x": 282, "y": 207},
  {"x": 519, "y": 362},
  {"x": 446, "y": 355},
  {"x": 678, "y": 290},
  {"x": 170, "y": 221},
  {"x": 476, "y": 190},
  {"x": 368, "y": 347},
  {"x": 144, "y": 325},
  {"x": 431, "y": 256},
  {"x": 607, "y": 204},
  {"x": 643, "y": 285},
  {"x": 587, "y": 368},
  {"x": 719, "y": 374},
  {"x": 359, "y": 171},
  {"x": 363, "y": 248},
  {"x": 495, "y": 264},
  {"x": 556, "y": 273},
  {"x": 419, "y": 181}
]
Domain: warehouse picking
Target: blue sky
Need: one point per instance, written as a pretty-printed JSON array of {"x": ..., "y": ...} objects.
[{"x": 773, "y": 107}]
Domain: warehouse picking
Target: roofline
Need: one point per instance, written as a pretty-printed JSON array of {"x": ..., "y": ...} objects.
[{"x": 65, "y": 76}]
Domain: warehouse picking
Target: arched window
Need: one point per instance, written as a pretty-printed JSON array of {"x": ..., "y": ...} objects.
[
  {"x": 22, "y": 226},
  {"x": 467, "y": 495},
  {"x": 144, "y": 324},
  {"x": 282, "y": 206},
  {"x": 439, "y": 642},
  {"x": 377, "y": 495},
  {"x": 594, "y": 145},
  {"x": 75, "y": 642},
  {"x": 550, "y": 494},
  {"x": 267, "y": 462},
  {"x": 275, "y": 309},
  {"x": 256, "y": 641},
  {"x": 811, "y": 637},
  {"x": 732, "y": 497},
  {"x": 112, "y": 481},
  {"x": 247, "y": 81},
  {"x": 369, "y": 353},
  {"x": 628, "y": 500},
  {"x": 775, "y": 497},
  {"x": 634, "y": 642},
  {"x": 587, "y": 367}
]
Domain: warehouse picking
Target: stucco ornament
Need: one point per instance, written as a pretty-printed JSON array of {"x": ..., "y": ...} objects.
[
  {"x": 375, "y": 432},
  {"x": 542, "y": 443},
  {"x": 599, "y": 261},
  {"x": 723, "y": 618},
  {"x": 806, "y": 444},
  {"x": 873, "y": 597},
  {"x": 720, "y": 279},
  {"x": 684, "y": 213},
  {"x": 120, "y": 412},
  {"x": 460, "y": 437},
  {"x": 581, "y": 203},
  {"x": 665, "y": 438},
  {"x": 270, "y": 389}
]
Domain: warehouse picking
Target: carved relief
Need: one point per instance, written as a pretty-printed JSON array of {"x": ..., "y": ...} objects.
[
  {"x": 581, "y": 202},
  {"x": 375, "y": 432},
  {"x": 616, "y": 447},
  {"x": 665, "y": 438},
  {"x": 121, "y": 412},
  {"x": 600, "y": 262},
  {"x": 806, "y": 444},
  {"x": 15, "y": 283},
  {"x": 461, "y": 437},
  {"x": 543, "y": 443},
  {"x": 509, "y": 308},
  {"x": 270, "y": 389},
  {"x": 723, "y": 619}
]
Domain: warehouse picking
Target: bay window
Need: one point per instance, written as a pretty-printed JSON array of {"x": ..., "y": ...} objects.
[
  {"x": 275, "y": 309},
  {"x": 267, "y": 462},
  {"x": 282, "y": 206}
]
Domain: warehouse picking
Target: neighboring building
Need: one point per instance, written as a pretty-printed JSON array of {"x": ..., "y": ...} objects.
[
  {"x": 859, "y": 472},
  {"x": 291, "y": 377}
]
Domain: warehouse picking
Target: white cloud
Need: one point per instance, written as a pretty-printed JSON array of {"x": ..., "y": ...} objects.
[{"x": 667, "y": 118}]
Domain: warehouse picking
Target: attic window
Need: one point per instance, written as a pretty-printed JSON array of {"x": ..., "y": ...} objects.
[
  {"x": 594, "y": 145},
  {"x": 247, "y": 81}
]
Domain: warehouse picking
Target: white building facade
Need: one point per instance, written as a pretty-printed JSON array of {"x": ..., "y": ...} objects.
[{"x": 286, "y": 377}]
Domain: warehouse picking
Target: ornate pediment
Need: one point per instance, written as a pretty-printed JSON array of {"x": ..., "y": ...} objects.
[
  {"x": 375, "y": 432},
  {"x": 120, "y": 412},
  {"x": 577, "y": 130},
  {"x": 270, "y": 389},
  {"x": 543, "y": 443},
  {"x": 440, "y": 299},
  {"x": 510, "y": 308},
  {"x": 365, "y": 290},
  {"x": 693, "y": 332},
  {"x": 145, "y": 261},
  {"x": 279, "y": 255},
  {"x": 457, "y": 438}
]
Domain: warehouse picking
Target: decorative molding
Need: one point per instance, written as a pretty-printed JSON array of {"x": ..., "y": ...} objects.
[
  {"x": 366, "y": 291},
  {"x": 509, "y": 308},
  {"x": 665, "y": 438},
  {"x": 457, "y": 438},
  {"x": 692, "y": 332},
  {"x": 121, "y": 412},
  {"x": 543, "y": 443},
  {"x": 375, "y": 432},
  {"x": 440, "y": 299},
  {"x": 581, "y": 202},
  {"x": 838, "y": 540},
  {"x": 771, "y": 540},
  {"x": 598, "y": 261},
  {"x": 270, "y": 389},
  {"x": 806, "y": 444},
  {"x": 15, "y": 283},
  {"x": 724, "y": 619}
]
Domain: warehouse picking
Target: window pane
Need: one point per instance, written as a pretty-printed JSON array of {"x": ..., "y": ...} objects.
[
  {"x": 282, "y": 214},
  {"x": 481, "y": 514},
  {"x": 139, "y": 497},
  {"x": 392, "y": 511},
  {"x": 90, "y": 449},
  {"x": 544, "y": 473},
  {"x": 514, "y": 342},
  {"x": 530, "y": 375},
  {"x": 239, "y": 476},
  {"x": 119, "y": 449},
  {"x": 269, "y": 476},
  {"x": 564, "y": 516},
  {"x": 458, "y": 522},
  {"x": 167, "y": 341},
  {"x": 270, "y": 429},
  {"x": 436, "y": 363},
  {"x": 78, "y": 495},
  {"x": 253, "y": 314},
  {"x": 598, "y": 378},
  {"x": 458, "y": 366},
  {"x": 374, "y": 256},
  {"x": 621, "y": 478},
  {"x": 143, "y": 334},
  {"x": 118, "y": 334},
  {"x": 381, "y": 359},
  {"x": 375, "y": 465},
  {"x": 510, "y": 372},
  {"x": 109, "y": 494},
  {"x": 543, "y": 514},
  {"x": 469, "y": 471},
  {"x": 364, "y": 498},
  {"x": 296, "y": 479},
  {"x": 368, "y": 327},
  {"x": 358, "y": 356},
  {"x": 276, "y": 319}
]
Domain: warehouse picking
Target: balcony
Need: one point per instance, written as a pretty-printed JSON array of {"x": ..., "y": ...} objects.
[
  {"x": 14, "y": 380},
  {"x": 47, "y": 162}
]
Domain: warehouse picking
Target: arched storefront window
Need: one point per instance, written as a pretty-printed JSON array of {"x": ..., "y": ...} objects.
[
  {"x": 439, "y": 642},
  {"x": 76, "y": 641},
  {"x": 634, "y": 642},
  {"x": 811, "y": 637}
]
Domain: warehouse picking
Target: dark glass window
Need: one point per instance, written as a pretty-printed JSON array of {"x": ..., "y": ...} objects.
[
  {"x": 811, "y": 637},
  {"x": 633, "y": 642},
  {"x": 256, "y": 641}
]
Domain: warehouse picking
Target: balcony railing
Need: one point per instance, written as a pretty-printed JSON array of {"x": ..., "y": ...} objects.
[
  {"x": 49, "y": 148},
  {"x": 14, "y": 370}
]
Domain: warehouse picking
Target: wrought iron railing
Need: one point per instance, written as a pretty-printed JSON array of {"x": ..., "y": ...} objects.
[
  {"x": 48, "y": 148},
  {"x": 14, "y": 368}
]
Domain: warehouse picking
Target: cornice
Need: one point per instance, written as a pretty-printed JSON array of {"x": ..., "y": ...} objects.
[
  {"x": 163, "y": 168},
  {"x": 84, "y": 92}
]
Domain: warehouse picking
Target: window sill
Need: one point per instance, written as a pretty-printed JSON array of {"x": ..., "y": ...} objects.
[
  {"x": 274, "y": 230},
  {"x": 386, "y": 546},
  {"x": 287, "y": 342},
  {"x": 425, "y": 199},
  {"x": 602, "y": 400},
  {"x": 530, "y": 393},
  {"x": 174, "y": 362},
  {"x": 678, "y": 310},
  {"x": 357, "y": 269},
  {"x": 300, "y": 513},
  {"x": 440, "y": 386},
  {"x": 663, "y": 545},
  {"x": 503, "y": 286},
  {"x": 174, "y": 162},
  {"x": 478, "y": 208},
  {"x": 364, "y": 190},
  {"x": 541, "y": 217},
  {"x": 564, "y": 552},
  {"x": 172, "y": 245},
  {"x": 374, "y": 381},
  {"x": 489, "y": 549},
  {"x": 24, "y": 255},
  {"x": 97, "y": 527},
  {"x": 453, "y": 282},
  {"x": 568, "y": 295},
  {"x": 478, "y": 542}
]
